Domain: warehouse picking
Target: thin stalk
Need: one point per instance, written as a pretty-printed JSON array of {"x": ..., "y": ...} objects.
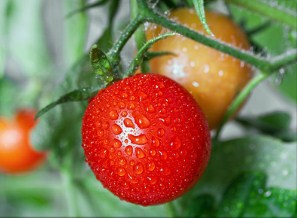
[
  {"x": 239, "y": 100},
  {"x": 69, "y": 192},
  {"x": 139, "y": 35},
  {"x": 275, "y": 12},
  {"x": 114, "y": 53},
  {"x": 261, "y": 63}
]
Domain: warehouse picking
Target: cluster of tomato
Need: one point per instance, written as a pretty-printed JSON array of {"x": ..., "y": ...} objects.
[{"x": 146, "y": 138}]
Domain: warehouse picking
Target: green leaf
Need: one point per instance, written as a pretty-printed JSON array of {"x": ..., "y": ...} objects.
[
  {"x": 271, "y": 202},
  {"x": 251, "y": 153},
  {"x": 151, "y": 55},
  {"x": 269, "y": 123},
  {"x": 237, "y": 194},
  {"x": 87, "y": 7},
  {"x": 199, "y": 8},
  {"x": 201, "y": 206},
  {"x": 76, "y": 95}
]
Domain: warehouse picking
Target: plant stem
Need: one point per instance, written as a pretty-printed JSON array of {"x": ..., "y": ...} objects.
[
  {"x": 261, "y": 63},
  {"x": 114, "y": 52},
  {"x": 139, "y": 35},
  {"x": 69, "y": 192},
  {"x": 268, "y": 9},
  {"x": 239, "y": 100},
  {"x": 284, "y": 59}
]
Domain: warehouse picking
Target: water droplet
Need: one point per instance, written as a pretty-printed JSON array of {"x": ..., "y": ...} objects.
[
  {"x": 153, "y": 152},
  {"x": 129, "y": 123},
  {"x": 155, "y": 142},
  {"x": 103, "y": 153},
  {"x": 195, "y": 84},
  {"x": 153, "y": 180},
  {"x": 122, "y": 161},
  {"x": 117, "y": 143},
  {"x": 139, "y": 153},
  {"x": 129, "y": 150},
  {"x": 131, "y": 106},
  {"x": 124, "y": 95},
  {"x": 121, "y": 172},
  {"x": 150, "y": 108},
  {"x": 221, "y": 73},
  {"x": 267, "y": 194},
  {"x": 124, "y": 113},
  {"x": 116, "y": 129},
  {"x": 113, "y": 115},
  {"x": 132, "y": 162},
  {"x": 105, "y": 125},
  {"x": 138, "y": 140},
  {"x": 122, "y": 105},
  {"x": 100, "y": 133},
  {"x": 132, "y": 179},
  {"x": 166, "y": 171},
  {"x": 161, "y": 132},
  {"x": 132, "y": 98},
  {"x": 142, "y": 96},
  {"x": 175, "y": 144},
  {"x": 138, "y": 169},
  {"x": 151, "y": 166},
  {"x": 206, "y": 68},
  {"x": 163, "y": 154},
  {"x": 141, "y": 120}
]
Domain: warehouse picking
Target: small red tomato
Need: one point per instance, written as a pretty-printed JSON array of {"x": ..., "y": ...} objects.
[
  {"x": 146, "y": 139},
  {"x": 16, "y": 152}
]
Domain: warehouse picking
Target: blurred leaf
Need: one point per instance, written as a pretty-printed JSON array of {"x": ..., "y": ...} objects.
[
  {"x": 76, "y": 95},
  {"x": 76, "y": 29},
  {"x": 199, "y": 8},
  {"x": 271, "y": 202},
  {"x": 201, "y": 206},
  {"x": 270, "y": 122},
  {"x": 288, "y": 84},
  {"x": 251, "y": 153},
  {"x": 87, "y": 7},
  {"x": 237, "y": 194},
  {"x": 7, "y": 90},
  {"x": 150, "y": 55}
]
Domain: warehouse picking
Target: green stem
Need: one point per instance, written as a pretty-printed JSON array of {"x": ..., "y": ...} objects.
[
  {"x": 139, "y": 57},
  {"x": 69, "y": 192},
  {"x": 139, "y": 35},
  {"x": 261, "y": 63},
  {"x": 284, "y": 59},
  {"x": 114, "y": 52},
  {"x": 268, "y": 9},
  {"x": 239, "y": 100}
]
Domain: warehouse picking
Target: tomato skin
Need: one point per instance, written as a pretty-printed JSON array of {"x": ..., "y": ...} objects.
[
  {"x": 213, "y": 78},
  {"x": 146, "y": 139},
  {"x": 16, "y": 152}
]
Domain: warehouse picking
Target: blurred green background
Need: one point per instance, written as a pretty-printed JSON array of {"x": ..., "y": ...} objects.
[{"x": 252, "y": 173}]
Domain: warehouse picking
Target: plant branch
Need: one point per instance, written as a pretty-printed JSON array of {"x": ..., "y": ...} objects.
[
  {"x": 269, "y": 9},
  {"x": 239, "y": 100},
  {"x": 114, "y": 52},
  {"x": 264, "y": 64}
]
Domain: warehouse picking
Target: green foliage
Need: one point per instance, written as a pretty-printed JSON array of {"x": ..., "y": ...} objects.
[{"x": 250, "y": 176}]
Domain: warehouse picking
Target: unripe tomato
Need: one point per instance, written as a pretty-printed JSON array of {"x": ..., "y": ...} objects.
[
  {"x": 16, "y": 152},
  {"x": 213, "y": 78},
  {"x": 146, "y": 139}
]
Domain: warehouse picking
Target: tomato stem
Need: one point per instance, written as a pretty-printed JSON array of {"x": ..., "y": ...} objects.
[{"x": 238, "y": 101}]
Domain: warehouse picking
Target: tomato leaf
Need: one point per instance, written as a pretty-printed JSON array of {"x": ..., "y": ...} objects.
[
  {"x": 237, "y": 194},
  {"x": 76, "y": 95},
  {"x": 199, "y": 8},
  {"x": 87, "y": 7}
]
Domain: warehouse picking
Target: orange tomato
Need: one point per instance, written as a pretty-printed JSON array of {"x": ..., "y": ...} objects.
[
  {"x": 16, "y": 153},
  {"x": 212, "y": 77}
]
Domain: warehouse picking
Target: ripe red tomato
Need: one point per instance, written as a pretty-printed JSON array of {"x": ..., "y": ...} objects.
[
  {"x": 146, "y": 139},
  {"x": 16, "y": 152},
  {"x": 213, "y": 78}
]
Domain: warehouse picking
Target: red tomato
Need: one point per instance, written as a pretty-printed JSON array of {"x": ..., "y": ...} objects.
[
  {"x": 146, "y": 139},
  {"x": 213, "y": 78},
  {"x": 16, "y": 152}
]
